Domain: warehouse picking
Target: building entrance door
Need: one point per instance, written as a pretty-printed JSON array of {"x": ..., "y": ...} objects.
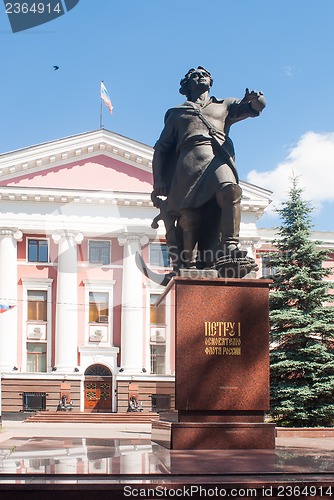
[{"x": 98, "y": 390}]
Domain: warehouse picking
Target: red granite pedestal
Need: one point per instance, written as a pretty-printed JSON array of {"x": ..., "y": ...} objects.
[{"x": 222, "y": 366}]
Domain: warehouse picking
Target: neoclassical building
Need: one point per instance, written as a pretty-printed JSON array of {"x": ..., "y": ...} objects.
[{"x": 78, "y": 316}]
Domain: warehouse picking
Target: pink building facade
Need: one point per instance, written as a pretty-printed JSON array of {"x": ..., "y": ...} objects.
[{"x": 74, "y": 212}]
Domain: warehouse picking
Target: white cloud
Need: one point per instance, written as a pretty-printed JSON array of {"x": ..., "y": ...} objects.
[
  {"x": 312, "y": 161},
  {"x": 288, "y": 71}
]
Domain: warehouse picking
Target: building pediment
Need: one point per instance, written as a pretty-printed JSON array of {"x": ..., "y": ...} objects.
[
  {"x": 99, "y": 160},
  {"x": 254, "y": 198}
]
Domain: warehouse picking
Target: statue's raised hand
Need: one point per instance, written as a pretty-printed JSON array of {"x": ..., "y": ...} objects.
[{"x": 256, "y": 99}]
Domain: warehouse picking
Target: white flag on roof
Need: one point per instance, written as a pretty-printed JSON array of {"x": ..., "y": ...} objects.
[{"x": 105, "y": 97}]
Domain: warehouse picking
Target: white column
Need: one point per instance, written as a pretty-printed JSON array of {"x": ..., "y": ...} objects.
[
  {"x": 67, "y": 302},
  {"x": 8, "y": 296},
  {"x": 132, "y": 349},
  {"x": 248, "y": 245}
]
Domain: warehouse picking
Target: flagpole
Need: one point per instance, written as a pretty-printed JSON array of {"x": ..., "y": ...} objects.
[{"x": 101, "y": 111}]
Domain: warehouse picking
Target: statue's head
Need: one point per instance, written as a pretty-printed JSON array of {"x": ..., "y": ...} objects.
[{"x": 184, "y": 83}]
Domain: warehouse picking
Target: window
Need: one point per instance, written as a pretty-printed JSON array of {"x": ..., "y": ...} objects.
[
  {"x": 38, "y": 250},
  {"x": 157, "y": 336},
  {"x": 159, "y": 255},
  {"x": 37, "y": 305},
  {"x": 158, "y": 359},
  {"x": 157, "y": 314},
  {"x": 98, "y": 307},
  {"x": 267, "y": 270},
  {"x": 99, "y": 252},
  {"x": 36, "y": 357}
]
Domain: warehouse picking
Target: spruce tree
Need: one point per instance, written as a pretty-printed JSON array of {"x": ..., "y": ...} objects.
[{"x": 302, "y": 322}]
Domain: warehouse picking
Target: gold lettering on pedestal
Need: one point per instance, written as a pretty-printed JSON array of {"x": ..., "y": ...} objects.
[{"x": 222, "y": 338}]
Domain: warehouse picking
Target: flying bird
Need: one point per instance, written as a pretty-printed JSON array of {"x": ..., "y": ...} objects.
[{"x": 55, "y": 68}]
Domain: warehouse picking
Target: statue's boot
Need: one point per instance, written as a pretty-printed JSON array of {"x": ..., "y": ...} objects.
[
  {"x": 190, "y": 224},
  {"x": 229, "y": 199}
]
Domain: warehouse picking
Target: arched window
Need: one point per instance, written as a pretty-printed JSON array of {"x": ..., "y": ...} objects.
[{"x": 97, "y": 371}]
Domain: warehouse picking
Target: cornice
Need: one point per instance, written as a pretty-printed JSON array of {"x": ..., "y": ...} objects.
[
  {"x": 255, "y": 190},
  {"x": 254, "y": 198},
  {"x": 62, "y": 196},
  {"x": 90, "y": 197},
  {"x": 255, "y": 206},
  {"x": 326, "y": 238}
]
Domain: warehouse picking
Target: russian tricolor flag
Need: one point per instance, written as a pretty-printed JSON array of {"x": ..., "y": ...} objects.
[
  {"x": 105, "y": 97},
  {"x": 5, "y": 307}
]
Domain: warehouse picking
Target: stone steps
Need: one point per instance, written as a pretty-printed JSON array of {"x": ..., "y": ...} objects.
[{"x": 96, "y": 418}]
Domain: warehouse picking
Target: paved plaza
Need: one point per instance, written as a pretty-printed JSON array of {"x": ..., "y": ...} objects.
[{"x": 89, "y": 460}]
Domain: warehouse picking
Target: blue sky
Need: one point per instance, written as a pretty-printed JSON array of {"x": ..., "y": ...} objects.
[{"x": 141, "y": 49}]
